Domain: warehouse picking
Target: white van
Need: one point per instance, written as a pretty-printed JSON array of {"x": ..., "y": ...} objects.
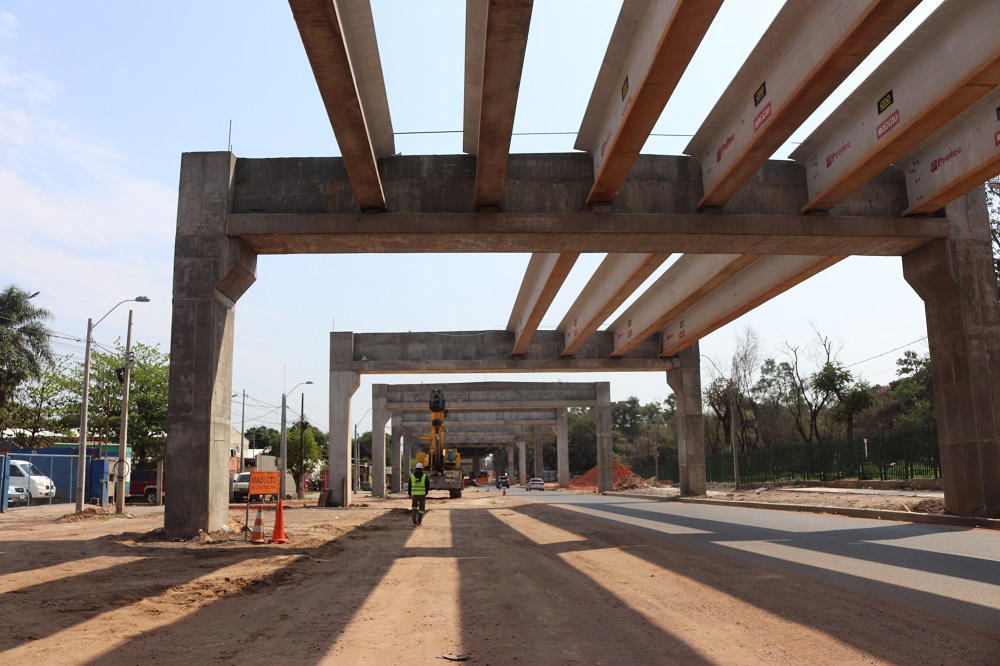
[{"x": 26, "y": 475}]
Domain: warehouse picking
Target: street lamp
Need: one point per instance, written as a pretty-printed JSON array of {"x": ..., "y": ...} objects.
[
  {"x": 284, "y": 438},
  {"x": 81, "y": 472}
]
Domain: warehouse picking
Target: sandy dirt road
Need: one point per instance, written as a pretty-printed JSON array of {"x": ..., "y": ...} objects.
[{"x": 494, "y": 579}]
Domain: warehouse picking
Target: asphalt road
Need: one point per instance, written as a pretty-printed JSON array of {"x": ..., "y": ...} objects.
[{"x": 950, "y": 571}]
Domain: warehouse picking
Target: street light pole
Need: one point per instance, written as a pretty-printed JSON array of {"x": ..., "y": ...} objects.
[
  {"x": 81, "y": 471},
  {"x": 123, "y": 439}
]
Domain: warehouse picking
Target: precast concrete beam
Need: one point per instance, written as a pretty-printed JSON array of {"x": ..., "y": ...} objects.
[
  {"x": 689, "y": 279},
  {"x": 650, "y": 48},
  {"x": 502, "y": 58},
  {"x": 328, "y": 30},
  {"x": 756, "y": 284},
  {"x": 542, "y": 279},
  {"x": 949, "y": 62},
  {"x": 957, "y": 158},
  {"x": 689, "y": 233},
  {"x": 807, "y": 51},
  {"x": 617, "y": 278},
  {"x": 475, "y": 54}
]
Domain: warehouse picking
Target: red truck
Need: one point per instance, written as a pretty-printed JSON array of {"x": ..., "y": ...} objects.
[{"x": 143, "y": 485}]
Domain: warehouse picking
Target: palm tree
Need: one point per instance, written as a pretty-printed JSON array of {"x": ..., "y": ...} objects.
[{"x": 24, "y": 341}]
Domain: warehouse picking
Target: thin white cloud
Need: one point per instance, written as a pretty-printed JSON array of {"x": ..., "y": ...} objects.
[{"x": 8, "y": 24}]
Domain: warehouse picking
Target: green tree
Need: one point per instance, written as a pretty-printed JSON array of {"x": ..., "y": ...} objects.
[
  {"x": 149, "y": 377},
  {"x": 24, "y": 343},
  {"x": 41, "y": 402},
  {"x": 263, "y": 437},
  {"x": 582, "y": 436},
  {"x": 304, "y": 454},
  {"x": 852, "y": 396}
]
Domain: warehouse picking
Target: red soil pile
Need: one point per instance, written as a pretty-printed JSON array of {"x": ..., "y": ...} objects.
[{"x": 624, "y": 479}]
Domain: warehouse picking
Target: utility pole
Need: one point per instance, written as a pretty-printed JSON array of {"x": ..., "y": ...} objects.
[
  {"x": 243, "y": 429},
  {"x": 123, "y": 440}
]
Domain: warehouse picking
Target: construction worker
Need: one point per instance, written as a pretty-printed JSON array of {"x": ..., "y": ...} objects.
[{"x": 417, "y": 491}]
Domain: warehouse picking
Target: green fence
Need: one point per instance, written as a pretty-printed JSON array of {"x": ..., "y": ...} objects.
[{"x": 886, "y": 456}]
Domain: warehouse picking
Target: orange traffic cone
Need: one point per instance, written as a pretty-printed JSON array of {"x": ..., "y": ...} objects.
[
  {"x": 257, "y": 535},
  {"x": 279, "y": 526},
  {"x": 505, "y": 491}
]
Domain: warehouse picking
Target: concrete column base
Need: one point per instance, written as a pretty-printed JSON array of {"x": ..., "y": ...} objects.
[{"x": 685, "y": 380}]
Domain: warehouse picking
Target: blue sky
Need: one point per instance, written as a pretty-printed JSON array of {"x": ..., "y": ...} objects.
[{"x": 99, "y": 100}]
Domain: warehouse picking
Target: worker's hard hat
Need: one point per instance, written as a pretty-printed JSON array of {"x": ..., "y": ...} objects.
[{"x": 419, "y": 466}]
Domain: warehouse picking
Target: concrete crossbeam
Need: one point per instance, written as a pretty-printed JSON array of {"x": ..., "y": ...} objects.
[
  {"x": 951, "y": 61},
  {"x": 485, "y": 418},
  {"x": 756, "y": 284},
  {"x": 650, "y": 48},
  {"x": 694, "y": 233},
  {"x": 807, "y": 51},
  {"x": 617, "y": 278},
  {"x": 488, "y": 351},
  {"x": 484, "y": 397},
  {"x": 689, "y": 279},
  {"x": 542, "y": 279},
  {"x": 322, "y": 30},
  {"x": 959, "y": 157}
]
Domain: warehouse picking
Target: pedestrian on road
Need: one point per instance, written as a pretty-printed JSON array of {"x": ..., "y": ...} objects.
[{"x": 418, "y": 493}]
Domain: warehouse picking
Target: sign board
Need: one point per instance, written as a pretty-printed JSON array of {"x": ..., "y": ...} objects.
[{"x": 265, "y": 483}]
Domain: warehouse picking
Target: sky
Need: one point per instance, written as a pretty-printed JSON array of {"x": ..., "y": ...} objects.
[{"x": 99, "y": 100}]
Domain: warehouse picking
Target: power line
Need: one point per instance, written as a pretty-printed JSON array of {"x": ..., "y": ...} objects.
[{"x": 887, "y": 353}]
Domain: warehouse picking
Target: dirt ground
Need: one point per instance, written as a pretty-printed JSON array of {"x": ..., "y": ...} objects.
[{"x": 487, "y": 578}]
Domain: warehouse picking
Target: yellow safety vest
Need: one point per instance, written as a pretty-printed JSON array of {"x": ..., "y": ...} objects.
[{"x": 418, "y": 487}]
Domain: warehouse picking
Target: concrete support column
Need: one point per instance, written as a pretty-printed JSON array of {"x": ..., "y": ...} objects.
[
  {"x": 395, "y": 455},
  {"x": 538, "y": 440},
  {"x": 956, "y": 280},
  {"x": 380, "y": 416},
  {"x": 476, "y": 462},
  {"x": 605, "y": 452},
  {"x": 522, "y": 461},
  {"x": 343, "y": 384},
  {"x": 562, "y": 446},
  {"x": 510, "y": 463},
  {"x": 211, "y": 272},
  {"x": 685, "y": 380}
]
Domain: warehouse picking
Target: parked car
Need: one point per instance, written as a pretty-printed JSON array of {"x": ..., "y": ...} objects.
[
  {"x": 24, "y": 474},
  {"x": 143, "y": 484},
  {"x": 535, "y": 484},
  {"x": 16, "y": 495},
  {"x": 503, "y": 481}
]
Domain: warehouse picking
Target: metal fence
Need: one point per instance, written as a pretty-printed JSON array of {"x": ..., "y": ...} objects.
[{"x": 884, "y": 456}]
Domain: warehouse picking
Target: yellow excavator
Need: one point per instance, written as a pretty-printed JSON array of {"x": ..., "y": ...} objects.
[{"x": 442, "y": 465}]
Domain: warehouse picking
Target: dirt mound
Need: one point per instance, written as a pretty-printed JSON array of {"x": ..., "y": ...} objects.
[{"x": 625, "y": 479}]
